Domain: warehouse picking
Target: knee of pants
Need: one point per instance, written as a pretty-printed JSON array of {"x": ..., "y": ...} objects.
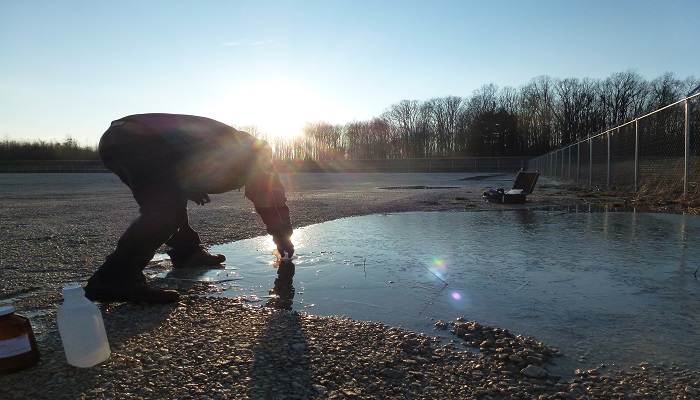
[{"x": 169, "y": 219}]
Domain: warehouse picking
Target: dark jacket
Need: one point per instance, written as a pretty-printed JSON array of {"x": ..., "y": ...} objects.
[{"x": 212, "y": 157}]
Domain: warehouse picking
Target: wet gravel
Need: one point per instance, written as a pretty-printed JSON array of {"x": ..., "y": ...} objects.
[{"x": 56, "y": 229}]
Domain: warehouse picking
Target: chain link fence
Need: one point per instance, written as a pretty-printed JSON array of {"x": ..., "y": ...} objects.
[{"x": 655, "y": 154}]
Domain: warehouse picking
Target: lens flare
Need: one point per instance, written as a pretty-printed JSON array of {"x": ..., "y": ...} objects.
[
  {"x": 438, "y": 268},
  {"x": 436, "y": 272},
  {"x": 456, "y": 296}
]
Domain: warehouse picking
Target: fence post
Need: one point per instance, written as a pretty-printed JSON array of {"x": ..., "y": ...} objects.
[
  {"x": 578, "y": 162},
  {"x": 550, "y": 164},
  {"x": 561, "y": 170},
  {"x": 553, "y": 163},
  {"x": 636, "y": 154},
  {"x": 590, "y": 163},
  {"x": 568, "y": 172},
  {"x": 686, "y": 172},
  {"x": 608, "y": 174}
]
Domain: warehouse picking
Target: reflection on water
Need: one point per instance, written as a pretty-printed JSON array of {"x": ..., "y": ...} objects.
[
  {"x": 282, "y": 293},
  {"x": 601, "y": 287}
]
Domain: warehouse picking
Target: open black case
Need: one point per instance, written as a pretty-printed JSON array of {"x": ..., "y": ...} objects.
[{"x": 524, "y": 184}]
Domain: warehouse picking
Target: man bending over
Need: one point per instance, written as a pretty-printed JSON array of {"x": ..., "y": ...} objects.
[{"x": 166, "y": 160}]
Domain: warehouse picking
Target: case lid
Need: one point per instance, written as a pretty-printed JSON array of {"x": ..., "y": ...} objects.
[{"x": 526, "y": 181}]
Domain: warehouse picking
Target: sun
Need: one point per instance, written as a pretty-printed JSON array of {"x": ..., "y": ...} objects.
[{"x": 278, "y": 108}]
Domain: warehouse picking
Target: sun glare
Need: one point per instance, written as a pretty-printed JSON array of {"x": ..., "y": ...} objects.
[{"x": 278, "y": 108}]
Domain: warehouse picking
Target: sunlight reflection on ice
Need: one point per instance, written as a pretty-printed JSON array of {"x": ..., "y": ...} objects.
[{"x": 612, "y": 287}]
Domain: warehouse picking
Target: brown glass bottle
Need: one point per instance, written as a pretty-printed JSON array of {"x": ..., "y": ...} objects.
[{"x": 18, "y": 349}]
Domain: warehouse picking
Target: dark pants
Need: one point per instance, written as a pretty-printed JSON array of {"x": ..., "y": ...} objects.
[{"x": 144, "y": 162}]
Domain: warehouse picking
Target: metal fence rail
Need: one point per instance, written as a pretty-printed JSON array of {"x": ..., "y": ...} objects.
[
  {"x": 657, "y": 153},
  {"x": 410, "y": 165}
]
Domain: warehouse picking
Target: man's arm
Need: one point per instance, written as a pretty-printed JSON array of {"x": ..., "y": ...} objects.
[{"x": 267, "y": 193}]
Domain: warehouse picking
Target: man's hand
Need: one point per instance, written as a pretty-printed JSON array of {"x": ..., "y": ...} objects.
[
  {"x": 200, "y": 199},
  {"x": 286, "y": 251}
]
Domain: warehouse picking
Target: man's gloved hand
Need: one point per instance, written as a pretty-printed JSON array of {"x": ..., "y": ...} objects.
[
  {"x": 199, "y": 198},
  {"x": 287, "y": 248}
]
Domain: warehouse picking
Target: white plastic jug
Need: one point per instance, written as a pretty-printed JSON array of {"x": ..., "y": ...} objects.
[{"x": 82, "y": 329}]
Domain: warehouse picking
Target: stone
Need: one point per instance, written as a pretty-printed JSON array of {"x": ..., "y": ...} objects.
[
  {"x": 533, "y": 371},
  {"x": 392, "y": 373},
  {"x": 320, "y": 389}
]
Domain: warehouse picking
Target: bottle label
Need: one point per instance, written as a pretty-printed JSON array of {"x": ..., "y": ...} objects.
[{"x": 15, "y": 346}]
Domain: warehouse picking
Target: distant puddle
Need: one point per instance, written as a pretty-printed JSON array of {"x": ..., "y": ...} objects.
[
  {"x": 417, "y": 187},
  {"x": 602, "y": 287}
]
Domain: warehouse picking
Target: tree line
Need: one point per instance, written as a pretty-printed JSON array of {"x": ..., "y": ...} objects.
[
  {"x": 68, "y": 149},
  {"x": 540, "y": 116}
]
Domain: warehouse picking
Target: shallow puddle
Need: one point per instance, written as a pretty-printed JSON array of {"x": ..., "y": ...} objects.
[{"x": 613, "y": 288}]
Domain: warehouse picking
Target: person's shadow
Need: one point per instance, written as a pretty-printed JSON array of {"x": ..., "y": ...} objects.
[{"x": 283, "y": 353}]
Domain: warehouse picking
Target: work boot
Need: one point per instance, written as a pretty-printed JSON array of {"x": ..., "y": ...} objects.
[
  {"x": 200, "y": 258},
  {"x": 132, "y": 290}
]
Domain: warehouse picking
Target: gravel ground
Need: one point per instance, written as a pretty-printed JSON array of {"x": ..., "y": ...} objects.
[{"x": 57, "y": 228}]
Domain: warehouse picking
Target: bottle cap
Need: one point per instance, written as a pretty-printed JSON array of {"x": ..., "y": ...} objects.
[
  {"x": 6, "y": 310},
  {"x": 73, "y": 290}
]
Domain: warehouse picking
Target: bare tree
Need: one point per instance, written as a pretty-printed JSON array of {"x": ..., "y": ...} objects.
[
  {"x": 665, "y": 90},
  {"x": 575, "y": 109},
  {"x": 403, "y": 118},
  {"x": 445, "y": 115},
  {"x": 324, "y": 140},
  {"x": 509, "y": 99},
  {"x": 623, "y": 97},
  {"x": 368, "y": 139}
]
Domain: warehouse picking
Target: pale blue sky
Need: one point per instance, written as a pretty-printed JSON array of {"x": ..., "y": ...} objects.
[{"x": 70, "y": 67}]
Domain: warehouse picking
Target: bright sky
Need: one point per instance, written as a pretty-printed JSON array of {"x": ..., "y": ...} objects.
[{"x": 68, "y": 68}]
